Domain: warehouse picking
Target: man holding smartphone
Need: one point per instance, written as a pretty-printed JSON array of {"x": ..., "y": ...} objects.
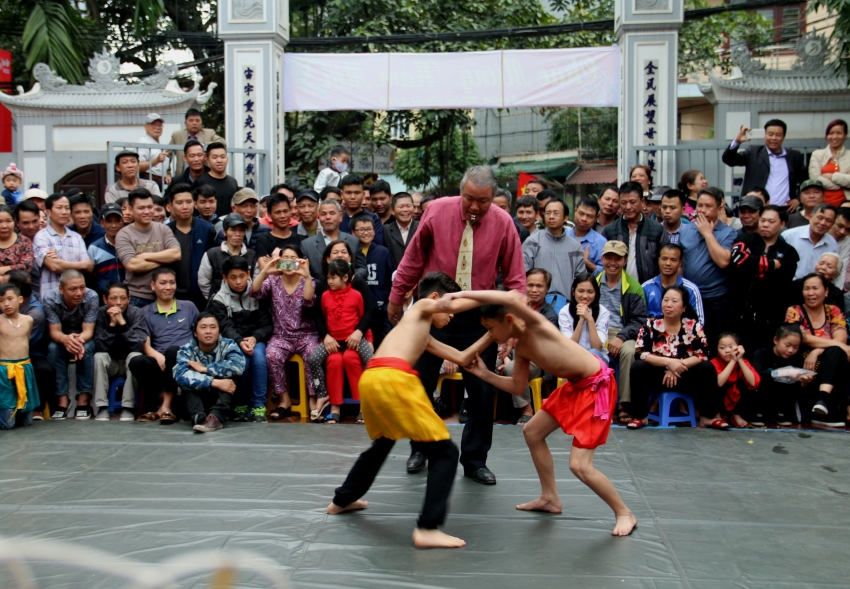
[{"x": 778, "y": 169}]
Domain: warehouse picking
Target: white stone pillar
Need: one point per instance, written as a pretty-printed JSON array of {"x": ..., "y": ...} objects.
[
  {"x": 254, "y": 33},
  {"x": 648, "y": 37}
]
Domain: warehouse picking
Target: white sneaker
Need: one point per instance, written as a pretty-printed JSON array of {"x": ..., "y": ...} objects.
[
  {"x": 102, "y": 414},
  {"x": 127, "y": 415}
]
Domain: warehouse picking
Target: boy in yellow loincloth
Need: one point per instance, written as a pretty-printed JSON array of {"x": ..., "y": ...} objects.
[
  {"x": 396, "y": 406},
  {"x": 18, "y": 391}
]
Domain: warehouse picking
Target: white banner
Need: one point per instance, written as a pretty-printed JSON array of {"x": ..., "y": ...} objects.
[{"x": 487, "y": 79}]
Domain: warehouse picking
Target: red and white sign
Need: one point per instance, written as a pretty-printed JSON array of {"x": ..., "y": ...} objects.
[{"x": 5, "y": 115}]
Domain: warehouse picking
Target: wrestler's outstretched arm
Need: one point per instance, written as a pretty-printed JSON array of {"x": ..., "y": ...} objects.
[
  {"x": 464, "y": 358},
  {"x": 514, "y": 300},
  {"x": 514, "y": 385}
]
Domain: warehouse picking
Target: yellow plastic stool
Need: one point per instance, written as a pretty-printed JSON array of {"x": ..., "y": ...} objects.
[
  {"x": 303, "y": 406},
  {"x": 536, "y": 386}
]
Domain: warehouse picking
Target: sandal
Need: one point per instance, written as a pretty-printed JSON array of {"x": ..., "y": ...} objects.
[
  {"x": 523, "y": 419},
  {"x": 167, "y": 418},
  {"x": 332, "y": 418},
  {"x": 280, "y": 413},
  {"x": 624, "y": 417},
  {"x": 636, "y": 424},
  {"x": 359, "y": 419},
  {"x": 150, "y": 416},
  {"x": 718, "y": 424}
]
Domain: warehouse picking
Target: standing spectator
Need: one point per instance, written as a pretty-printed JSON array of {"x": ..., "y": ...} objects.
[
  {"x": 12, "y": 180},
  {"x": 246, "y": 203},
  {"x": 143, "y": 247},
  {"x": 831, "y": 166},
  {"x": 672, "y": 210},
  {"x": 707, "y": 243},
  {"x": 82, "y": 214},
  {"x": 151, "y": 161},
  {"x": 307, "y": 203},
  {"x": 534, "y": 187},
  {"x": 71, "y": 314},
  {"x": 643, "y": 237},
  {"x": 193, "y": 130},
  {"x": 813, "y": 240},
  {"x": 57, "y": 248},
  {"x": 37, "y": 196},
  {"x": 811, "y": 195},
  {"x": 778, "y": 169},
  {"x": 690, "y": 184},
  {"x": 107, "y": 265},
  {"x": 382, "y": 195},
  {"x": 609, "y": 208},
  {"x": 206, "y": 204},
  {"x": 330, "y": 216},
  {"x": 841, "y": 232},
  {"x": 168, "y": 323},
  {"x": 352, "y": 204},
  {"x": 526, "y": 213},
  {"x": 544, "y": 197},
  {"x": 127, "y": 210},
  {"x": 554, "y": 250},
  {"x": 503, "y": 201},
  {"x": 749, "y": 211},
  {"x": 642, "y": 175},
  {"x": 669, "y": 264},
  {"x": 653, "y": 203},
  {"x": 196, "y": 163},
  {"x": 337, "y": 167},
  {"x": 281, "y": 235},
  {"x": 586, "y": 218},
  {"x": 206, "y": 370},
  {"x": 399, "y": 233},
  {"x": 467, "y": 235},
  {"x": 265, "y": 218},
  {"x": 211, "y": 271},
  {"x": 27, "y": 223},
  {"x": 417, "y": 205},
  {"x": 247, "y": 322},
  {"x": 19, "y": 395},
  {"x": 119, "y": 337},
  {"x": 224, "y": 186},
  {"x": 127, "y": 167},
  {"x": 195, "y": 237},
  {"x": 622, "y": 295},
  {"x": 379, "y": 275},
  {"x": 15, "y": 250},
  {"x": 762, "y": 267}
]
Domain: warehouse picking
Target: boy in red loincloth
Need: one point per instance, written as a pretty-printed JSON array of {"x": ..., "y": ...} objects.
[{"x": 581, "y": 407}]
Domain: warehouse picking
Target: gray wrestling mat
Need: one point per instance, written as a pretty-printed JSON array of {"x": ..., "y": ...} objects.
[{"x": 753, "y": 509}]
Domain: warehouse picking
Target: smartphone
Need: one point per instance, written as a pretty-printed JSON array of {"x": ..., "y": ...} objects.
[
  {"x": 288, "y": 264},
  {"x": 756, "y": 133}
]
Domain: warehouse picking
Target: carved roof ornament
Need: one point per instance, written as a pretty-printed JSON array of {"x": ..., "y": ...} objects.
[
  {"x": 104, "y": 70},
  {"x": 742, "y": 57},
  {"x": 812, "y": 50},
  {"x": 164, "y": 72},
  {"x": 48, "y": 79}
]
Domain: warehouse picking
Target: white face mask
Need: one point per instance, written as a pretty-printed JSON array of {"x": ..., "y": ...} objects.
[{"x": 340, "y": 167}]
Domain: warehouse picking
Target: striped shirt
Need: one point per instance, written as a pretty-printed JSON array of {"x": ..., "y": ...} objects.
[
  {"x": 107, "y": 266},
  {"x": 70, "y": 248}
]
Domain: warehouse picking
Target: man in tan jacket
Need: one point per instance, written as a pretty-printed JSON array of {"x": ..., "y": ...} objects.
[{"x": 193, "y": 130}]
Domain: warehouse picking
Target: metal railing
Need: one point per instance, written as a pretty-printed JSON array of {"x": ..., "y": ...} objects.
[{"x": 236, "y": 161}]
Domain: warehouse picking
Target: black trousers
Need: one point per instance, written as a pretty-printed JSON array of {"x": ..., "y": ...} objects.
[
  {"x": 442, "y": 467},
  {"x": 700, "y": 381},
  {"x": 208, "y": 402},
  {"x": 152, "y": 380},
  {"x": 378, "y": 325},
  {"x": 45, "y": 379},
  {"x": 463, "y": 331},
  {"x": 832, "y": 368},
  {"x": 716, "y": 312}
]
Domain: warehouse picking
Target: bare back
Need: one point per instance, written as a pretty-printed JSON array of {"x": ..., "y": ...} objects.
[
  {"x": 553, "y": 352},
  {"x": 15, "y": 341},
  {"x": 409, "y": 339}
]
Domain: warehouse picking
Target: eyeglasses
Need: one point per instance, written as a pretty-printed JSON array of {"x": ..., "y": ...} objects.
[{"x": 367, "y": 230}]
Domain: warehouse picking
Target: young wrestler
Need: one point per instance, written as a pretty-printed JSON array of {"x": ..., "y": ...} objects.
[
  {"x": 581, "y": 407},
  {"x": 395, "y": 406},
  {"x": 18, "y": 390}
]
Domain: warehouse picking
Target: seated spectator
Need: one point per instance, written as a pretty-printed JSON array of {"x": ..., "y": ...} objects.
[
  {"x": 144, "y": 246},
  {"x": 643, "y": 236},
  {"x": 736, "y": 378},
  {"x": 18, "y": 388},
  {"x": 45, "y": 374},
  {"x": 119, "y": 337},
  {"x": 212, "y": 265},
  {"x": 526, "y": 213},
  {"x": 622, "y": 295},
  {"x": 811, "y": 195},
  {"x": 761, "y": 271},
  {"x": 777, "y": 401},
  {"x": 107, "y": 265},
  {"x": 247, "y": 322},
  {"x": 27, "y": 221},
  {"x": 71, "y": 314},
  {"x": 586, "y": 217},
  {"x": 195, "y": 237},
  {"x": 285, "y": 280},
  {"x": 168, "y": 323},
  {"x": 707, "y": 245},
  {"x": 673, "y": 356},
  {"x": 824, "y": 348},
  {"x": 584, "y": 320},
  {"x": 609, "y": 208},
  {"x": 82, "y": 214},
  {"x": 813, "y": 240},
  {"x": 330, "y": 216},
  {"x": 671, "y": 213},
  {"x": 15, "y": 249},
  {"x": 554, "y": 250},
  {"x": 503, "y": 200},
  {"x": 127, "y": 168},
  {"x": 56, "y": 248},
  {"x": 749, "y": 211},
  {"x": 830, "y": 165},
  {"x": 281, "y": 235},
  {"x": 205, "y": 204},
  {"x": 379, "y": 277},
  {"x": 402, "y": 229},
  {"x": 206, "y": 371},
  {"x": 669, "y": 263},
  {"x": 829, "y": 265}
]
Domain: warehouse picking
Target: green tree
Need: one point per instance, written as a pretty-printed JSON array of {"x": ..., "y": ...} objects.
[
  {"x": 598, "y": 126},
  {"x": 446, "y": 159},
  {"x": 840, "y": 36}
]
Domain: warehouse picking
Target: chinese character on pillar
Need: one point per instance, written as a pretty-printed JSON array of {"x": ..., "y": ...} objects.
[
  {"x": 650, "y": 110},
  {"x": 248, "y": 101}
]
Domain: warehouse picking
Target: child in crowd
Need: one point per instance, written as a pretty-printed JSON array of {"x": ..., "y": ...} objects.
[
  {"x": 291, "y": 291},
  {"x": 343, "y": 308},
  {"x": 331, "y": 175},
  {"x": 379, "y": 276},
  {"x": 18, "y": 389},
  {"x": 778, "y": 400},
  {"x": 247, "y": 322},
  {"x": 12, "y": 180},
  {"x": 732, "y": 368}
]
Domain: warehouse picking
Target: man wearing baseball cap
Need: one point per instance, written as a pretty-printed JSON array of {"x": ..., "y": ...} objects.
[
  {"x": 36, "y": 195},
  {"x": 749, "y": 212},
  {"x": 152, "y": 161},
  {"x": 811, "y": 195},
  {"x": 107, "y": 266},
  {"x": 245, "y": 203},
  {"x": 127, "y": 168},
  {"x": 307, "y": 203}
]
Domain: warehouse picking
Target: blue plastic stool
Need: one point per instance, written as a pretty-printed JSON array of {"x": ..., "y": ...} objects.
[
  {"x": 668, "y": 409},
  {"x": 557, "y": 301},
  {"x": 115, "y": 403}
]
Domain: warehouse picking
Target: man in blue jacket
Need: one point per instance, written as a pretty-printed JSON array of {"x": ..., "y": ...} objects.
[
  {"x": 379, "y": 268},
  {"x": 195, "y": 237}
]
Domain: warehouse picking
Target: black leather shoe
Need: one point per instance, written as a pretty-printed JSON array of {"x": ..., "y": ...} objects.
[
  {"x": 416, "y": 463},
  {"x": 484, "y": 476}
]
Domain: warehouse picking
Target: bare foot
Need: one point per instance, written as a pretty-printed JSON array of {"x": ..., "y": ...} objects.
[
  {"x": 435, "y": 539},
  {"x": 625, "y": 524},
  {"x": 335, "y": 509},
  {"x": 541, "y": 504}
]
